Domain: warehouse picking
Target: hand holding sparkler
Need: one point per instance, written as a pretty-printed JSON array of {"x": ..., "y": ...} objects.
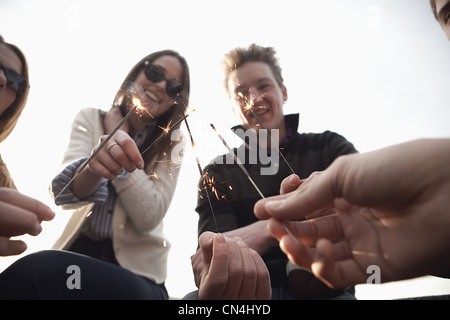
[
  {"x": 120, "y": 153},
  {"x": 124, "y": 157},
  {"x": 226, "y": 268}
]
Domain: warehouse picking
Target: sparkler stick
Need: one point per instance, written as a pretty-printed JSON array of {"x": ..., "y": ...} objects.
[
  {"x": 241, "y": 166},
  {"x": 100, "y": 147},
  {"x": 238, "y": 161},
  {"x": 199, "y": 166},
  {"x": 164, "y": 132},
  {"x": 270, "y": 136}
]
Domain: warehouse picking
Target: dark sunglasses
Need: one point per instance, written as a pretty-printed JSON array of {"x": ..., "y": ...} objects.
[
  {"x": 156, "y": 74},
  {"x": 14, "y": 81}
]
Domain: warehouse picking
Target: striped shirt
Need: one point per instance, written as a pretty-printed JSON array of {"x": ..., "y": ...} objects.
[{"x": 99, "y": 223}]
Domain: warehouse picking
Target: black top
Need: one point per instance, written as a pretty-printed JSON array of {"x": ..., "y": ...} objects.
[{"x": 233, "y": 196}]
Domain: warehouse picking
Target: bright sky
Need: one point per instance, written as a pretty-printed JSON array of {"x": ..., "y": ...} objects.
[{"x": 374, "y": 71}]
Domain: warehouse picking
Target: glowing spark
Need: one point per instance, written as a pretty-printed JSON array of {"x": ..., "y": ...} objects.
[
  {"x": 154, "y": 176},
  {"x": 141, "y": 109},
  {"x": 163, "y": 133},
  {"x": 167, "y": 128}
]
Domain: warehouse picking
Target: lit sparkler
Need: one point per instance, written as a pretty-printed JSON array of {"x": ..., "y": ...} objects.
[
  {"x": 199, "y": 166},
  {"x": 241, "y": 166},
  {"x": 165, "y": 131},
  {"x": 137, "y": 107},
  {"x": 238, "y": 161}
]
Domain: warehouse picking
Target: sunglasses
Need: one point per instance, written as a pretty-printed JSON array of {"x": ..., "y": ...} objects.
[
  {"x": 14, "y": 81},
  {"x": 155, "y": 74}
]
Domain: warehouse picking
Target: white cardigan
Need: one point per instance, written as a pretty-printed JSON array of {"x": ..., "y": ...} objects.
[{"x": 142, "y": 202}]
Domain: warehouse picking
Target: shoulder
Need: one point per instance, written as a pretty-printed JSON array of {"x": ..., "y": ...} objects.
[
  {"x": 324, "y": 138},
  {"x": 88, "y": 113},
  {"x": 335, "y": 143},
  {"x": 88, "y": 118}
]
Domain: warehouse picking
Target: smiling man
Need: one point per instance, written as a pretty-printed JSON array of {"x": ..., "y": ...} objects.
[
  {"x": 441, "y": 10},
  {"x": 255, "y": 85}
]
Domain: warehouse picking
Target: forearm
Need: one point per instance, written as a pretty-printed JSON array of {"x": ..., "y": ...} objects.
[
  {"x": 256, "y": 236},
  {"x": 85, "y": 184}
]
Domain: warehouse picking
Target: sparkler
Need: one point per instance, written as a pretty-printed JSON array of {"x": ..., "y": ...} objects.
[
  {"x": 244, "y": 170},
  {"x": 238, "y": 161},
  {"x": 249, "y": 107},
  {"x": 165, "y": 131},
  {"x": 199, "y": 166},
  {"x": 137, "y": 106}
]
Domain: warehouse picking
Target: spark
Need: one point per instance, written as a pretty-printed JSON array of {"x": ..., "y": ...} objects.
[
  {"x": 154, "y": 175},
  {"x": 167, "y": 128},
  {"x": 165, "y": 131},
  {"x": 210, "y": 182}
]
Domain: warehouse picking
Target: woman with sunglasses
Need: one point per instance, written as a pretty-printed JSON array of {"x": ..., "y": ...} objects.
[
  {"x": 121, "y": 197},
  {"x": 19, "y": 214}
]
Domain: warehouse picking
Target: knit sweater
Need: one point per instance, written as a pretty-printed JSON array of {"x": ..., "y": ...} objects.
[
  {"x": 233, "y": 196},
  {"x": 142, "y": 202}
]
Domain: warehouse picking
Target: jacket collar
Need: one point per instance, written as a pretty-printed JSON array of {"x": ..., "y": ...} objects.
[{"x": 292, "y": 120}]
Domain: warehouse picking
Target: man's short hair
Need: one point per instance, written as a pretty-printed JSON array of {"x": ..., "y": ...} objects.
[{"x": 239, "y": 56}]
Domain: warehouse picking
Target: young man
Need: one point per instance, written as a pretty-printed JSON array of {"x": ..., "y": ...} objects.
[
  {"x": 253, "y": 81},
  {"x": 441, "y": 10},
  {"x": 358, "y": 185}
]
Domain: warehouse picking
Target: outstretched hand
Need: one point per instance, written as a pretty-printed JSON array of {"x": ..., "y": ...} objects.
[
  {"x": 19, "y": 214},
  {"x": 388, "y": 208}
]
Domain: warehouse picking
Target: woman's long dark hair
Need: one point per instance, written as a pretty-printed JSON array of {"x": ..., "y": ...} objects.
[
  {"x": 8, "y": 119},
  {"x": 10, "y": 116},
  {"x": 127, "y": 91}
]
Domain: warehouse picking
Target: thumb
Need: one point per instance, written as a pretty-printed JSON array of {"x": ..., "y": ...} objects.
[{"x": 10, "y": 247}]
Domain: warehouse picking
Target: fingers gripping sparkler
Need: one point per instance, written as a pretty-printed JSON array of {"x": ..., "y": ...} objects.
[{"x": 137, "y": 107}]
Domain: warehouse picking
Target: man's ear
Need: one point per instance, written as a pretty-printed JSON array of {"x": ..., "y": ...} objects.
[{"x": 285, "y": 94}]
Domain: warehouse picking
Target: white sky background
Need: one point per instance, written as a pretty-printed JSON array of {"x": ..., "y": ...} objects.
[{"x": 377, "y": 72}]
